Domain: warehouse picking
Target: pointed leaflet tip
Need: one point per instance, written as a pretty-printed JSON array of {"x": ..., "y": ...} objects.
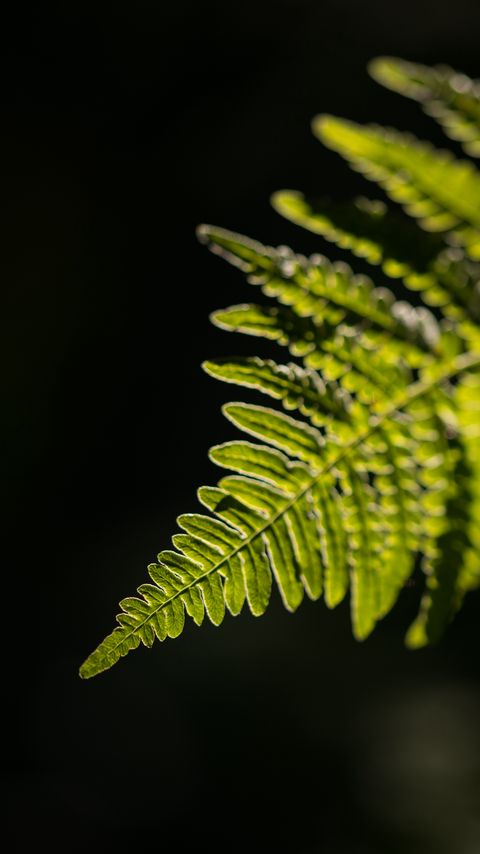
[
  {"x": 406, "y": 78},
  {"x": 96, "y": 663},
  {"x": 207, "y": 367},
  {"x": 379, "y": 67},
  {"x": 203, "y": 232},
  {"x": 277, "y": 199},
  {"x": 291, "y": 204},
  {"x": 325, "y": 120},
  {"x": 326, "y": 127},
  {"x": 215, "y": 235},
  {"x": 207, "y": 233}
]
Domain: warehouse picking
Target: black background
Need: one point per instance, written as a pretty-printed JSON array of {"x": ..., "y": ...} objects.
[{"x": 124, "y": 126}]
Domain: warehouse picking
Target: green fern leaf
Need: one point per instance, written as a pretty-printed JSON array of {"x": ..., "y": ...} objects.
[
  {"x": 367, "y": 228},
  {"x": 278, "y": 528},
  {"x": 371, "y": 231},
  {"x": 441, "y": 192},
  {"x": 295, "y": 438},
  {"x": 453, "y": 567},
  {"x": 329, "y": 294},
  {"x": 338, "y": 357},
  {"x": 338, "y": 322},
  {"x": 385, "y": 466},
  {"x": 453, "y": 99},
  {"x": 296, "y": 387}
]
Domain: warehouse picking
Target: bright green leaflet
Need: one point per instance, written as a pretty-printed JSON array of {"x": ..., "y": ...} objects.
[{"x": 372, "y": 459}]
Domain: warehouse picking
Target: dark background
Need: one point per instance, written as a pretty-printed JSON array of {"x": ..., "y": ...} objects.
[{"x": 124, "y": 125}]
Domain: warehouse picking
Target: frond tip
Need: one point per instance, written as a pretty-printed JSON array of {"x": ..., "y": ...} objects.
[{"x": 304, "y": 510}]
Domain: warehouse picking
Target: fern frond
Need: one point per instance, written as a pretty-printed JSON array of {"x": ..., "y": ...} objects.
[
  {"x": 385, "y": 467},
  {"x": 367, "y": 228},
  {"x": 330, "y": 307},
  {"x": 453, "y": 99},
  {"x": 448, "y": 551},
  {"x": 453, "y": 560},
  {"x": 296, "y": 387},
  {"x": 329, "y": 293},
  {"x": 280, "y": 515},
  {"x": 371, "y": 231},
  {"x": 467, "y": 399},
  {"x": 340, "y": 357},
  {"x": 441, "y": 192}
]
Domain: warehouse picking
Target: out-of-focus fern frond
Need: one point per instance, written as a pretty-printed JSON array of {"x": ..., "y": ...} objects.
[
  {"x": 453, "y": 99},
  {"x": 441, "y": 192},
  {"x": 367, "y": 228},
  {"x": 370, "y": 230},
  {"x": 452, "y": 562}
]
